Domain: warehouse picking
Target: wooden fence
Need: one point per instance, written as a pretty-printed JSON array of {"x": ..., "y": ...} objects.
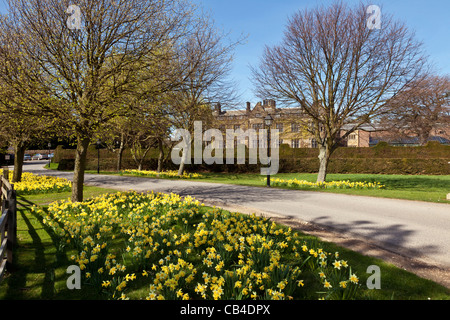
[{"x": 8, "y": 222}]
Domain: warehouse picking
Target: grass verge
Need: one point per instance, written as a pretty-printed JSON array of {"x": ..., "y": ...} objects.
[
  {"x": 409, "y": 187},
  {"x": 40, "y": 265}
]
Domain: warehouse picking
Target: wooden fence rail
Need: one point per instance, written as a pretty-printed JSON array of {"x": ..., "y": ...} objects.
[{"x": 8, "y": 222}]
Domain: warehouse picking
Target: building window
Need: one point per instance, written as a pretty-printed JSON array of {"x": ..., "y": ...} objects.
[
  {"x": 313, "y": 143},
  {"x": 352, "y": 136},
  {"x": 237, "y": 126},
  {"x": 295, "y": 143},
  {"x": 295, "y": 127},
  {"x": 279, "y": 126},
  {"x": 257, "y": 126}
]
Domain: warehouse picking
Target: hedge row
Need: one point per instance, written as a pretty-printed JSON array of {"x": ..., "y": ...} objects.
[
  {"x": 431, "y": 159},
  {"x": 433, "y": 150},
  {"x": 308, "y": 165}
]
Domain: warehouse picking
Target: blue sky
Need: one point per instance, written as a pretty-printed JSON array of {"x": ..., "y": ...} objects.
[{"x": 264, "y": 22}]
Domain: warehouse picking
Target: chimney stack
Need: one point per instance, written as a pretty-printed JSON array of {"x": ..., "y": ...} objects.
[
  {"x": 269, "y": 103},
  {"x": 219, "y": 108},
  {"x": 248, "y": 107}
]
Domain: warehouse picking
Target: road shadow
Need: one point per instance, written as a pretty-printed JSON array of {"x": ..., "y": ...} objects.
[
  {"x": 394, "y": 237},
  {"x": 238, "y": 195}
]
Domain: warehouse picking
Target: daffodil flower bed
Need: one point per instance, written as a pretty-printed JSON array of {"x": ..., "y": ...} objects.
[
  {"x": 179, "y": 249},
  {"x": 295, "y": 183},
  {"x": 34, "y": 184},
  {"x": 162, "y": 174}
]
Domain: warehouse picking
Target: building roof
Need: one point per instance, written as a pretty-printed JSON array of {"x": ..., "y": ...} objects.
[
  {"x": 365, "y": 127},
  {"x": 411, "y": 140},
  {"x": 267, "y": 108}
]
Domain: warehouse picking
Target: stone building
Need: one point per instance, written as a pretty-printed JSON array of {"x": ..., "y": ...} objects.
[{"x": 290, "y": 122}]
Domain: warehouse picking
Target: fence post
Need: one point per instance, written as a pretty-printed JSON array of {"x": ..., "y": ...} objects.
[
  {"x": 6, "y": 176},
  {"x": 12, "y": 222},
  {"x": 10, "y": 204}
]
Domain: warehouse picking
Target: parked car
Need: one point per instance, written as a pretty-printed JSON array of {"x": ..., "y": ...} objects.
[
  {"x": 37, "y": 156},
  {"x": 44, "y": 157},
  {"x": 27, "y": 157},
  {"x": 51, "y": 155}
]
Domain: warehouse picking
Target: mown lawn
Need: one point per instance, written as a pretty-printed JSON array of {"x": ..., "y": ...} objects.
[
  {"x": 40, "y": 264},
  {"x": 410, "y": 187}
]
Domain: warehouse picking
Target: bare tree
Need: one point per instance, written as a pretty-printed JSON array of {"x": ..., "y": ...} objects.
[
  {"x": 338, "y": 70},
  {"x": 419, "y": 109},
  {"x": 207, "y": 61},
  {"x": 89, "y": 56}
]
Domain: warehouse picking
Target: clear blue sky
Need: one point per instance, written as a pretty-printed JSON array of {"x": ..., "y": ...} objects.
[{"x": 263, "y": 21}]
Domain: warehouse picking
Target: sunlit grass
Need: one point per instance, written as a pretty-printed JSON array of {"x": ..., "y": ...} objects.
[
  {"x": 41, "y": 263},
  {"x": 409, "y": 187}
]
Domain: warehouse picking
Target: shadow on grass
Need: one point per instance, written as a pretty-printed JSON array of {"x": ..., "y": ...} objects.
[{"x": 37, "y": 257}]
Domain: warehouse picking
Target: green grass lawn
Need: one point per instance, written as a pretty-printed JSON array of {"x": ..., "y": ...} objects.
[
  {"x": 410, "y": 187},
  {"x": 40, "y": 265}
]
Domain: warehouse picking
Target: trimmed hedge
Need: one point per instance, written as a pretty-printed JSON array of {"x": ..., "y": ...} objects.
[{"x": 431, "y": 159}]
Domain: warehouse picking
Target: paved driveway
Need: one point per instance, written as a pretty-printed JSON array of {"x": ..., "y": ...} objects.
[{"x": 412, "y": 228}]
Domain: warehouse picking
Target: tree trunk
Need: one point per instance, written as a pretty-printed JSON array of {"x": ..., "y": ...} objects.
[
  {"x": 140, "y": 162},
  {"x": 120, "y": 154},
  {"x": 185, "y": 158},
  {"x": 119, "y": 159},
  {"x": 139, "y": 155},
  {"x": 181, "y": 167},
  {"x": 161, "y": 155},
  {"x": 19, "y": 153},
  {"x": 324, "y": 156},
  {"x": 423, "y": 136},
  {"x": 80, "y": 167}
]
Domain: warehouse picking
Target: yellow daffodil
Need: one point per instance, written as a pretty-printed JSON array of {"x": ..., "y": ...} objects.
[
  {"x": 353, "y": 278},
  {"x": 167, "y": 233},
  {"x": 327, "y": 285}
]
